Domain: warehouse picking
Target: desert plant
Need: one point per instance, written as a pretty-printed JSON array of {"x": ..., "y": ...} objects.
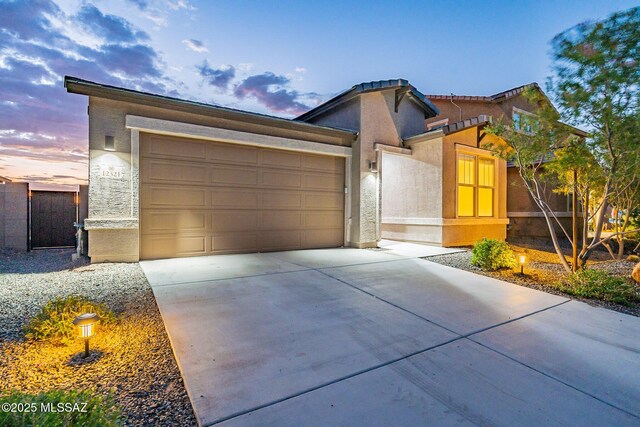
[
  {"x": 491, "y": 255},
  {"x": 59, "y": 408},
  {"x": 55, "y": 320},
  {"x": 598, "y": 284}
]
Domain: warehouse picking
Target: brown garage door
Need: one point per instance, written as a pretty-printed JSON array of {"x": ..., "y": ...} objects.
[{"x": 200, "y": 197}]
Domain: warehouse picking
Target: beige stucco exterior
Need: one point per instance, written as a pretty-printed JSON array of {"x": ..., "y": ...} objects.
[
  {"x": 419, "y": 192},
  {"x": 399, "y": 181},
  {"x": 113, "y": 219},
  {"x": 526, "y": 219}
]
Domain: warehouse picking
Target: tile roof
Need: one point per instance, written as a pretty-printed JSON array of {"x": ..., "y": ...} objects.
[
  {"x": 500, "y": 96},
  {"x": 414, "y": 94}
]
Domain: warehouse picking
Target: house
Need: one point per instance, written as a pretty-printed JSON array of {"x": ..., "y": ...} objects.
[
  {"x": 170, "y": 177},
  {"x": 511, "y": 106}
]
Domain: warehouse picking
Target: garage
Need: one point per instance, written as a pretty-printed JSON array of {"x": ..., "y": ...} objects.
[{"x": 201, "y": 197}]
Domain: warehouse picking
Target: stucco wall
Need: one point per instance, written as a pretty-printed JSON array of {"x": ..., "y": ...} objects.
[
  {"x": 412, "y": 185},
  {"x": 14, "y": 206},
  {"x": 112, "y": 220},
  {"x": 412, "y": 193},
  {"x": 378, "y": 123},
  {"x": 345, "y": 116},
  {"x": 467, "y": 235},
  {"x": 469, "y": 110},
  {"x": 498, "y": 110}
]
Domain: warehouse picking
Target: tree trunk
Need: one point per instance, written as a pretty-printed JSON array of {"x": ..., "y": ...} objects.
[{"x": 574, "y": 222}]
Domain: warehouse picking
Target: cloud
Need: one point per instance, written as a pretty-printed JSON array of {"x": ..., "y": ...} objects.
[
  {"x": 29, "y": 20},
  {"x": 141, "y": 4},
  {"x": 268, "y": 89},
  {"x": 180, "y": 4},
  {"x": 110, "y": 27},
  {"x": 217, "y": 77},
  {"x": 138, "y": 61},
  {"x": 41, "y": 124},
  {"x": 195, "y": 45}
]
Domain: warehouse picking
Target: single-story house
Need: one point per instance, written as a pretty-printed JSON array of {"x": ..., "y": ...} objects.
[
  {"x": 170, "y": 177},
  {"x": 512, "y": 107}
]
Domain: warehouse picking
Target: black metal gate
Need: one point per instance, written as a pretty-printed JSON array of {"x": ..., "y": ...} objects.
[{"x": 53, "y": 214}]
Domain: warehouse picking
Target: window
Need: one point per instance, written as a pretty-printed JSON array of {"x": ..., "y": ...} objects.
[
  {"x": 486, "y": 176},
  {"x": 524, "y": 121},
  {"x": 466, "y": 184},
  {"x": 476, "y": 182}
]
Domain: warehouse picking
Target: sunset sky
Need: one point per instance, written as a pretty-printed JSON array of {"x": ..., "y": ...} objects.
[{"x": 278, "y": 57}]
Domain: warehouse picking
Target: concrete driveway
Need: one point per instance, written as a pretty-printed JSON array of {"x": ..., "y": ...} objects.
[{"x": 359, "y": 337}]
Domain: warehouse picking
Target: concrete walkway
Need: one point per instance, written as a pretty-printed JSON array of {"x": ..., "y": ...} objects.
[{"x": 359, "y": 337}]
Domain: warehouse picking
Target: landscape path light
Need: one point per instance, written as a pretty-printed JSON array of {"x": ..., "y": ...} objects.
[
  {"x": 522, "y": 260},
  {"x": 86, "y": 324}
]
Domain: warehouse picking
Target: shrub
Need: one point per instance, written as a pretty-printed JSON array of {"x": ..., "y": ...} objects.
[
  {"x": 601, "y": 285},
  {"x": 72, "y": 408},
  {"x": 491, "y": 255},
  {"x": 55, "y": 320}
]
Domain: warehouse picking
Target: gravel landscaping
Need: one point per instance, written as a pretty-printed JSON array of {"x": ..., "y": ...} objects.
[
  {"x": 131, "y": 360},
  {"x": 543, "y": 271}
]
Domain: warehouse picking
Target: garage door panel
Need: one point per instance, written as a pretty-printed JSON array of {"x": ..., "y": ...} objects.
[
  {"x": 272, "y": 179},
  {"x": 323, "y": 220},
  {"x": 240, "y": 175},
  {"x": 236, "y": 154},
  {"x": 324, "y": 201},
  {"x": 164, "y": 246},
  {"x": 169, "y": 221},
  {"x": 280, "y": 240},
  {"x": 282, "y": 200},
  {"x": 235, "y": 242},
  {"x": 281, "y": 220},
  {"x": 324, "y": 164},
  {"x": 156, "y": 196},
  {"x": 166, "y": 146},
  {"x": 281, "y": 159},
  {"x": 235, "y": 220},
  {"x": 167, "y": 171},
  {"x": 321, "y": 238},
  {"x": 225, "y": 198},
  {"x": 324, "y": 182}
]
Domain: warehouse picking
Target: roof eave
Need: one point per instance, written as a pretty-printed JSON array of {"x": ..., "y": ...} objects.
[{"x": 89, "y": 88}]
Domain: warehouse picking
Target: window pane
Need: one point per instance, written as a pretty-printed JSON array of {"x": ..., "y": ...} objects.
[
  {"x": 516, "y": 121},
  {"x": 485, "y": 202},
  {"x": 466, "y": 169},
  {"x": 465, "y": 200},
  {"x": 486, "y": 172}
]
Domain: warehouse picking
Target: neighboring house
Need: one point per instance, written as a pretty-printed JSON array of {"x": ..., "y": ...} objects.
[
  {"x": 14, "y": 214},
  {"x": 526, "y": 220},
  {"x": 170, "y": 177},
  {"x": 34, "y": 216}
]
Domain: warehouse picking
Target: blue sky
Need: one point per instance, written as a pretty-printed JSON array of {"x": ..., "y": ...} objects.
[{"x": 271, "y": 57}]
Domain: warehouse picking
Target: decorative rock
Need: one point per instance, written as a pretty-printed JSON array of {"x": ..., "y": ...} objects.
[{"x": 636, "y": 273}]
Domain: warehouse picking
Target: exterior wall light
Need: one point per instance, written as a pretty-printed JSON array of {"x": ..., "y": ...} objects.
[
  {"x": 522, "y": 260},
  {"x": 373, "y": 166},
  {"x": 109, "y": 143},
  {"x": 86, "y": 324}
]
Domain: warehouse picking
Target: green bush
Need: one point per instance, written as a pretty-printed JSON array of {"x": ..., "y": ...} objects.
[
  {"x": 55, "y": 320},
  {"x": 601, "y": 285},
  {"x": 491, "y": 255},
  {"x": 59, "y": 408}
]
